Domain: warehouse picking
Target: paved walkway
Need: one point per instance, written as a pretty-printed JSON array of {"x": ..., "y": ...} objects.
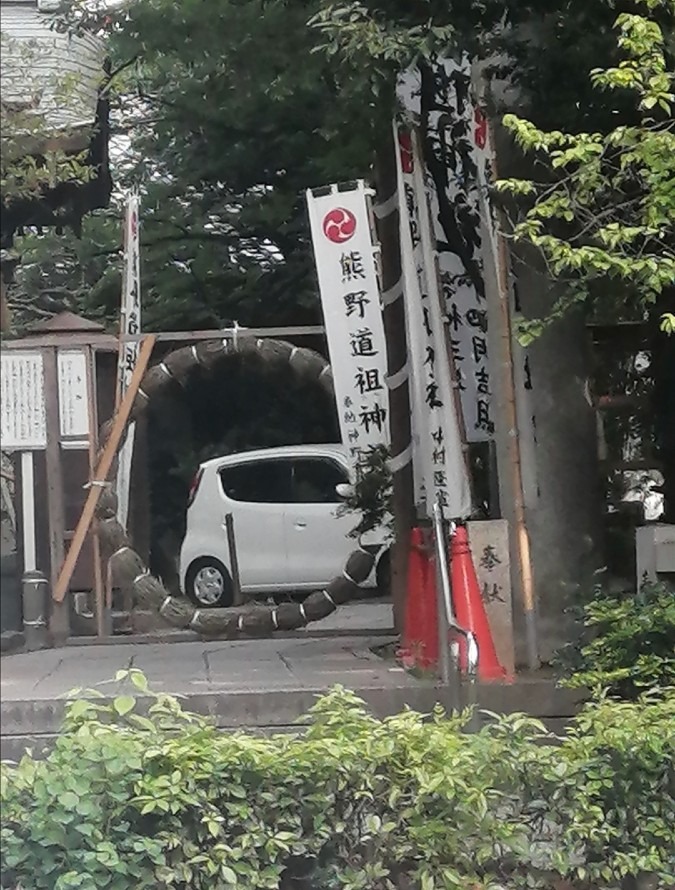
[
  {"x": 200, "y": 667},
  {"x": 260, "y": 685}
]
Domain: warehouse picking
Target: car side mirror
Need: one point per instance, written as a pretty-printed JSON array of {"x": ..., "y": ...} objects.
[{"x": 344, "y": 490}]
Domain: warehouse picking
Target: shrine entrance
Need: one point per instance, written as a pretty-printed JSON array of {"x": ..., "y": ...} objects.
[
  {"x": 244, "y": 403},
  {"x": 171, "y": 378}
]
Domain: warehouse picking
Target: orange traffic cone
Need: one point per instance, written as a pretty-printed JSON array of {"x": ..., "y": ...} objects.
[
  {"x": 419, "y": 646},
  {"x": 469, "y": 608}
]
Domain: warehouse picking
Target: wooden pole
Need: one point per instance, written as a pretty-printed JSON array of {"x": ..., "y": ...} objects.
[
  {"x": 393, "y": 315},
  {"x": 59, "y": 619},
  {"x": 119, "y": 424},
  {"x": 102, "y": 625}
]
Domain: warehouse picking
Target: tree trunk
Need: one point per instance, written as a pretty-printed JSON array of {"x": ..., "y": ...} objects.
[
  {"x": 397, "y": 354},
  {"x": 5, "y": 315}
]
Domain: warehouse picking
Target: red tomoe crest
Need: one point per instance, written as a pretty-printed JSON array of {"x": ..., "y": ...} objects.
[
  {"x": 480, "y": 132},
  {"x": 405, "y": 147},
  {"x": 339, "y": 225}
]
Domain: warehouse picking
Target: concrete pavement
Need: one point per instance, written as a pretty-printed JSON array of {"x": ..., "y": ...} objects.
[
  {"x": 197, "y": 667},
  {"x": 259, "y": 685}
]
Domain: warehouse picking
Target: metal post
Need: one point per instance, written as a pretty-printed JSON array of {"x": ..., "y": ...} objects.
[
  {"x": 237, "y": 597},
  {"x": 449, "y": 668},
  {"x": 446, "y": 611},
  {"x": 34, "y": 588},
  {"x": 448, "y": 662}
]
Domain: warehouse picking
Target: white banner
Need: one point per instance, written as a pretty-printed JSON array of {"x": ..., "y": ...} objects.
[
  {"x": 455, "y": 145},
  {"x": 73, "y": 396},
  {"x": 130, "y": 323},
  {"x": 131, "y": 291},
  {"x": 350, "y": 298},
  {"x": 440, "y": 469}
]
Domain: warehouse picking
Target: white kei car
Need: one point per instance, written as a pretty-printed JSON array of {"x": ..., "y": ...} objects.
[{"x": 289, "y": 536}]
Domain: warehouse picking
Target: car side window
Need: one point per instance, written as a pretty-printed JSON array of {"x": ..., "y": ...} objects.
[
  {"x": 258, "y": 482},
  {"x": 314, "y": 480}
]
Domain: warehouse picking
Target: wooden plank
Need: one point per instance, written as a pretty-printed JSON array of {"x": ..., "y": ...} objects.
[
  {"x": 119, "y": 425},
  {"x": 229, "y": 334},
  {"x": 75, "y": 340},
  {"x": 109, "y": 343},
  {"x": 59, "y": 619}
]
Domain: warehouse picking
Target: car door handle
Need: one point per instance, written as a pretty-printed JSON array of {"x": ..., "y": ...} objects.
[{"x": 300, "y": 524}]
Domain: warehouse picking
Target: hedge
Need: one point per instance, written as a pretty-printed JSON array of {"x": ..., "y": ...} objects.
[{"x": 162, "y": 799}]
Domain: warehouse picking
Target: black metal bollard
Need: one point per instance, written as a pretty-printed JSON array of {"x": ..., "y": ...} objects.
[{"x": 34, "y": 589}]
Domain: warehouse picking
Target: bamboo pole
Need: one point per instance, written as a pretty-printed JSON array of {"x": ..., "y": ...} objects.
[
  {"x": 102, "y": 471},
  {"x": 513, "y": 444}
]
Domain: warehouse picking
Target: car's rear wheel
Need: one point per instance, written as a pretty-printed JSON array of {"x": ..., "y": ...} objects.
[{"x": 208, "y": 583}]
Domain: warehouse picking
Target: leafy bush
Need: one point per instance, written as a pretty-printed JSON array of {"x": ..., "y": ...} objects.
[
  {"x": 629, "y": 642},
  {"x": 372, "y": 494},
  {"x": 162, "y": 799}
]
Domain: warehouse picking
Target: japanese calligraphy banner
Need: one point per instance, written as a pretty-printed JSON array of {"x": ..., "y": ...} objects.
[
  {"x": 345, "y": 264},
  {"x": 438, "y": 459},
  {"x": 131, "y": 294},
  {"x": 24, "y": 425},
  {"x": 130, "y": 323},
  {"x": 454, "y": 149}
]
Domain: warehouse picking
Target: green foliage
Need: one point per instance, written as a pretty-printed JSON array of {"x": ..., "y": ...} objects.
[
  {"x": 142, "y": 794},
  {"x": 372, "y": 493},
  {"x": 629, "y": 643},
  {"x": 372, "y": 45},
  {"x": 668, "y": 323},
  {"x": 605, "y": 214},
  {"x": 222, "y": 133},
  {"x": 31, "y": 161},
  {"x": 58, "y": 272}
]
